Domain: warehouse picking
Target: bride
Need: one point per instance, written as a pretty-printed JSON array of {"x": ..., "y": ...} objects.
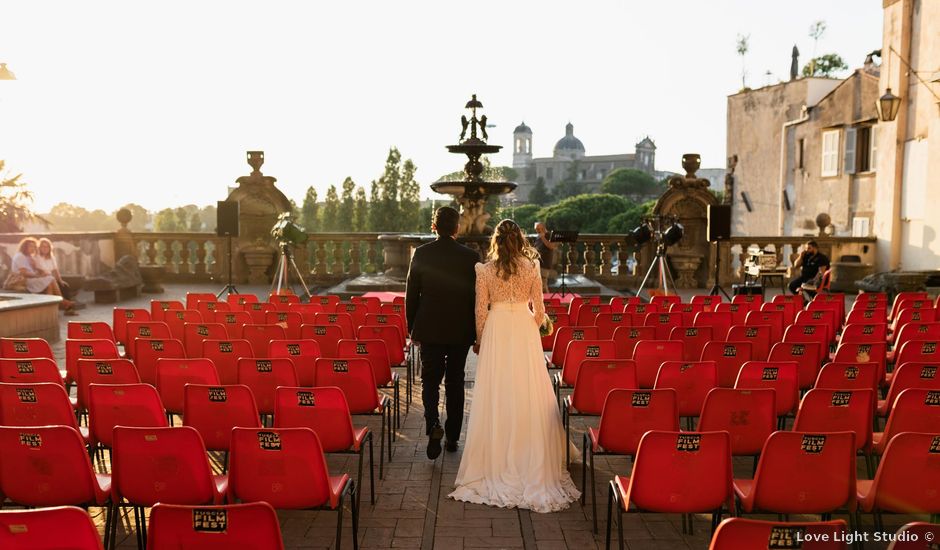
[{"x": 514, "y": 455}]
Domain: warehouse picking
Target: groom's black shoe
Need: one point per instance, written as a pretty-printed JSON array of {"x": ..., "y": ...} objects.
[
  {"x": 450, "y": 446},
  {"x": 434, "y": 443}
]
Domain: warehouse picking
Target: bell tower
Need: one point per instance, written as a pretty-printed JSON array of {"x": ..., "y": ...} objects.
[{"x": 521, "y": 146}]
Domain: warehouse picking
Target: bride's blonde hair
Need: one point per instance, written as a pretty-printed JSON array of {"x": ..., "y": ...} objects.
[{"x": 508, "y": 245}]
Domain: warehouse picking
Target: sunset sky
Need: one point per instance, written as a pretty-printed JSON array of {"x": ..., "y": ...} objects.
[{"x": 156, "y": 102}]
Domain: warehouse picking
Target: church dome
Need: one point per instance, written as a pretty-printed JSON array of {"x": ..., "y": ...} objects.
[
  {"x": 522, "y": 129},
  {"x": 569, "y": 142}
]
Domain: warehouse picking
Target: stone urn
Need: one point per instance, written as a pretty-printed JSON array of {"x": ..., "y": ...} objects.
[
  {"x": 685, "y": 265},
  {"x": 691, "y": 162},
  {"x": 258, "y": 258}
]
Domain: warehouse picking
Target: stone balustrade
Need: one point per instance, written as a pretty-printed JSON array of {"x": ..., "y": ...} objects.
[
  {"x": 334, "y": 257},
  {"x": 87, "y": 254},
  {"x": 183, "y": 256}
]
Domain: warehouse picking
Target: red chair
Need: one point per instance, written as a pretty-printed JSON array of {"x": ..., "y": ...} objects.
[
  {"x": 176, "y": 319},
  {"x": 863, "y": 353},
  {"x": 356, "y": 379},
  {"x": 867, "y": 316},
  {"x": 282, "y": 301},
  {"x": 752, "y": 301},
  {"x": 862, "y": 333},
  {"x": 308, "y": 312},
  {"x": 121, "y": 405},
  {"x": 209, "y": 309},
  {"x": 587, "y": 313},
  {"x": 214, "y": 410},
  {"x": 619, "y": 303},
  {"x": 738, "y": 313},
  {"x": 728, "y": 358},
  {"x": 788, "y": 309},
  {"x": 901, "y": 297},
  {"x": 372, "y": 303},
  {"x": 693, "y": 340},
  {"x": 773, "y": 319},
  {"x": 807, "y": 355},
  {"x": 290, "y": 321},
  {"x": 41, "y": 404},
  {"x": 343, "y": 320},
  {"x": 286, "y": 468},
  {"x": 650, "y": 354},
  {"x": 638, "y": 313},
  {"x": 596, "y": 379},
  {"x": 121, "y": 316},
  {"x": 913, "y": 331},
  {"x": 907, "y": 478},
  {"x": 158, "y": 308},
  {"x": 87, "y": 349},
  {"x": 174, "y": 374},
  {"x": 758, "y": 336},
  {"x": 737, "y": 533},
  {"x": 664, "y": 323},
  {"x": 802, "y": 473},
  {"x": 356, "y": 311},
  {"x": 913, "y": 374},
  {"x": 692, "y": 382},
  {"x": 25, "y": 348},
  {"x": 577, "y": 301},
  {"x": 194, "y": 334},
  {"x": 834, "y": 300},
  {"x": 780, "y": 375},
  {"x": 688, "y": 312},
  {"x": 912, "y": 315},
  {"x": 377, "y": 354},
  {"x": 914, "y": 410},
  {"x": 331, "y": 301},
  {"x": 193, "y": 299},
  {"x": 233, "y": 321},
  {"x": 709, "y": 302},
  {"x": 921, "y": 351},
  {"x": 848, "y": 376},
  {"x": 225, "y": 354},
  {"x": 260, "y": 336},
  {"x": 30, "y": 371},
  {"x": 839, "y": 411},
  {"x": 48, "y": 529},
  {"x": 326, "y": 336},
  {"x": 607, "y": 323},
  {"x": 566, "y": 335},
  {"x": 698, "y": 479},
  {"x": 264, "y": 376},
  {"x": 102, "y": 371},
  {"x": 144, "y": 329},
  {"x": 665, "y": 301},
  {"x": 626, "y": 416},
  {"x": 304, "y": 354},
  {"x": 95, "y": 330},
  {"x": 388, "y": 334},
  {"x": 251, "y": 525},
  {"x": 240, "y": 300},
  {"x": 148, "y": 350},
  {"x": 719, "y": 321},
  {"x": 814, "y": 332},
  {"x": 259, "y": 311},
  {"x": 916, "y": 536},
  {"x": 325, "y": 411},
  {"x": 821, "y": 312},
  {"x": 626, "y": 339},
  {"x": 385, "y": 319},
  {"x": 749, "y": 417},
  {"x": 578, "y": 352},
  {"x": 166, "y": 465}
]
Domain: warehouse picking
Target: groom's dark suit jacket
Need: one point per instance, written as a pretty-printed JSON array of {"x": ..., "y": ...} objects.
[{"x": 441, "y": 293}]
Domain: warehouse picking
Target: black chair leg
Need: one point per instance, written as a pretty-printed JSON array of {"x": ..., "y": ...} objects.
[
  {"x": 610, "y": 510},
  {"x": 339, "y": 519},
  {"x": 356, "y": 497},
  {"x": 371, "y": 471},
  {"x": 593, "y": 492},
  {"x": 382, "y": 449}
]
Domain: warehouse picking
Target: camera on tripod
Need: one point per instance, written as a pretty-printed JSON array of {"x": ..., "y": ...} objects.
[
  {"x": 288, "y": 235},
  {"x": 664, "y": 231},
  {"x": 286, "y": 232}
]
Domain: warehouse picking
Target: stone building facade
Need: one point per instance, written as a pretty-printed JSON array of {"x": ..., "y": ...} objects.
[{"x": 569, "y": 159}]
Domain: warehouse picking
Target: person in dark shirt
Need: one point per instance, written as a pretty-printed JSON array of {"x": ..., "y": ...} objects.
[
  {"x": 810, "y": 262},
  {"x": 546, "y": 250}
]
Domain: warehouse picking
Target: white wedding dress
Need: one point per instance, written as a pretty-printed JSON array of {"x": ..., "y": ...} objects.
[{"x": 515, "y": 451}]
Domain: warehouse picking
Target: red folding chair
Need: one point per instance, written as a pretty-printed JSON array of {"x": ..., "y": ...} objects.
[
  {"x": 48, "y": 529},
  {"x": 87, "y": 349},
  {"x": 564, "y": 336},
  {"x": 330, "y": 301},
  {"x": 307, "y": 312},
  {"x": 758, "y": 336},
  {"x": 578, "y": 352},
  {"x": 867, "y": 316},
  {"x": 121, "y": 405},
  {"x": 788, "y": 309},
  {"x": 919, "y": 351},
  {"x": 816, "y": 332},
  {"x": 41, "y": 404},
  {"x": 736, "y": 533},
  {"x": 872, "y": 352},
  {"x": 692, "y": 382},
  {"x": 596, "y": 378},
  {"x": 193, "y": 299},
  {"x": 782, "y": 376},
  {"x": 30, "y": 371},
  {"x": 821, "y": 312},
  {"x": 260, "y": 336},
  {"x": 176, "y": 319},
  {"x": 158, "y": 308},
  {"x": 693, "y": 340},
  {"x": 94, "y": 330},
  {"x": 258, "y": 311},
  {"x": 751, "y": 301},
  {"x": 102, "y": 371},
  {"x": 912, "y": 315},
  {"x": 665, "y": 301},
  {"x": 907, "y": 478},
  {"x": 144, "y": 329},
  {"x": 914, "y": 410},
  {"x": 194, "y": 334},
  {"x": 148, "y": 350},
  {"x": 25, "y": 348},
  {"x": 807, "y": 355},
  {"x": 607, "y": 323},
  {"x": 209, "y": 309},
  {"x": 901, "y": 297},
  {"x": 626, "y": 339},
  {"x": 861, "y": 333},
  {"x": 250, "y": 525},
  {"x": 719, "y": 321},
  {"x": 174, "y": 374},
  {"x": 663, "y": 322},
  {"x": 394, "y": 320},
  {"x": 848, "y": 376},
  {"x": 240, "y": 300},
  {"x": 839, "y": 411},
  {"x": 304, "y": 354},
  {"x": 638, "y": 313},
  {"x": 225, "y": 354},
  {"x": 619, "y": 303},
  {"x": 708, "y": 302},
  {"x": 282, "y": 301},
  {"x": 233, "y": 321},
  {"x": 343, "y": 320},
  {"x": 326, "y": 336},
  {"x": 356, "y": 311},
  {"x": 773, "y": 319},
  {"x": 587, "y": 313},
  {"x": 650, "y": 354},
  {"x": 728, "y": 358},
  {"x": 121, "y": 316},
  {"x": 913, "y": 331},
  {"x": 377, "y": 354},
  {"x": 290, "y": 321},
  {"x": 372, "y": 303},
  {"x": 214, "y": 410},
  {"x": 738, "y": 313},
  {"x": 912, "y": 374},
  {"x": 749, "y": 417},
  {"x": 688, "y": 312},
  {"x": 286, "y": 468},
  {"x": 264, "y": 376}
]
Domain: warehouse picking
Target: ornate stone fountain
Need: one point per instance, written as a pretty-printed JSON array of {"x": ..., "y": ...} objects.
[{"x": 472, "y": 192}]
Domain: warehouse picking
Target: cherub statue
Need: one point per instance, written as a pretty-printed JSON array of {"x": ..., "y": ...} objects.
[
  {"x": 483, "y": 127},
  {"x": 465, "y": 123}
]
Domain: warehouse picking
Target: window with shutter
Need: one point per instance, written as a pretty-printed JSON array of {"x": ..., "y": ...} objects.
[
  {"x": 873, "y": 149},
  {"x": 848, "y": 162},
  {"x": 830, "y": 153}
]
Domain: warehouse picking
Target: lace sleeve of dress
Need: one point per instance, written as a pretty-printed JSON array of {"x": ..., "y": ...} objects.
[
  {"x": 535, "y": 293},
  {"x": 483, "y": 300}
]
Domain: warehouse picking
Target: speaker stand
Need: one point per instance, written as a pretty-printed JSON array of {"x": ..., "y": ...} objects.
[
  {"x": 229, "y": 288},
  {"x": 716, "y": 288}
]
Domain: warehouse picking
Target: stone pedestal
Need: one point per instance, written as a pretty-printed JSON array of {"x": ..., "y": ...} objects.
[{"x": 257, "y": 259}]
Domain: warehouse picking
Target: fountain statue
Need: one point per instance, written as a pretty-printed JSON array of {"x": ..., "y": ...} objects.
[{"x": 472, "y": 192}]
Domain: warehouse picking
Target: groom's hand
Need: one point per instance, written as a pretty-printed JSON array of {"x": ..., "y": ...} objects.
[{"x": 476, "y": 348}]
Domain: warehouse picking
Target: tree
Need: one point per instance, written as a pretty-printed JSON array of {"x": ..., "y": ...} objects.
[
  {"x": 310, "y": 211},
  {"x": 589, "y": 213},
  {"x": 360, "y": 211},
  {"x": 826, "y": 65},
  {"x": 539, "y": 193},
  {"x": 375, "y": 213},
  {"x": 331, "y": 210},
  {"x": 388, "y": 207},
  {"x": 525, "y": 215},
  {"x": 165, "y": 221},
  {"x": 410, "y": 198},
  {"x": 14, "y": 203},
  {"x": 182, "y": 219},
  {"x": 345, "y": 221},
  {"x": 195, "y": 223},
  {"x": 571, "y": 185},
  {"x": 742, "y": 46},
  {"x": 68, "y": 217},
  {"x": 630, "y": 182},
  {"x": 209, "y": 217},
  {"x": 627, "y": 221}
]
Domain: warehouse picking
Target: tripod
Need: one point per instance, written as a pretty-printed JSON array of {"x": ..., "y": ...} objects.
[
  {"x": 230, "y": 287},
  {"x": 664, "y": 276},
  {"x": 282, "y": 274},
  {"x": 564, "y": 274},
  {"x": 716, "y": 288}
]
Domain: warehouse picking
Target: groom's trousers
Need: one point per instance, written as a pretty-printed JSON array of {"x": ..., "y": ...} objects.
[{"x": 443, "y": 362}]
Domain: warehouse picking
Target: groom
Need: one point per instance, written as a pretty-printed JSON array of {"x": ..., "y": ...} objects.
[{"x": 440, "y": 308}]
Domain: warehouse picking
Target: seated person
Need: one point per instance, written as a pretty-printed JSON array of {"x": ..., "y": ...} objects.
[
  {"x": 810, "y": 262},
  {"x": 45, "y": 261},
  {"x": 25, "y": 275}
]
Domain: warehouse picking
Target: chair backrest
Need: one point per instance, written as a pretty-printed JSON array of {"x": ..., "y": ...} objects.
[
  {"x": 559, "y": 319},
  {"x": 148, "y": 350},
  {"x": 808, "y": 357},
  {"x": 282, "y": 301},
  {"x": 49, "y": 529},
  {"x": 848, "y": 376},
  {"x": 787, "y": 309},
  {"x": 596, "y": 378},
  {"x": 389, "y": 319},
  {"x": 343, "y": 320},
  {"x": 122, "y": 405},
  {"x": 728, "y": 357},
  {"x": 737, "y": 310},
  {"x": 626, "y": 339},
  {"x": 922, "y": 351},
  {"x": 41, "y": 404},
  {"x": 913, "y": 315},
  {"x": 806, "y": 473},
  {"x": 260, "y": 336},
  {"x": 87, "y": 349},
  {"x": 914, "y": 410},
  {"x": 193, "y": 299},
  {"x": 821, "y": 312},
  {"x": 373, "y": 350},
  {"x": 250, "y": 525},
  {"x": 663, "y": 322},
  {"x": 208, "y": 309},
  {"x": 390, "y": 335},
  {"x": 870, "y": 352},
  {"x": 144, "y": 329},
  {"x": 24, "y": 348},
  {"x": 326, "y": 336},
  {"x": 214, "y": 410},
  {"x": 85, "y": 330},
  {"x": 355, "y": 377},
  {"x": 158, "y": 308},
  {"x": 838, "y": 411},
  {"x": 773, "y": 319},
  {"x": 308, "y": 312},
  {"x": 687, "y": 311},
  {"x": 782, "y": 376},
  {"x": 607, "y": 323},
  {"x": 580, "y": 351},
  {"x": 173, "y": 375},
  {"x": 587, "y": 313},
  {"x": 263, "y": 376},
  {"x": 303, "y": 352},
  {"x": 121, "y": 316},
  {"x": 719, "y": 321},
  {"x": 693, "y": 340},
  {"x": 176, "y": 319},
  {"x": 758, "y": 336},
  {"x": 241, "y": 299},
  {"x": 324, "y": 410},
  {"x": 809, "y": 332},
  {"x": 225, "y": 355},
  {"x": 916, "y": 330},
  {"x": 692, "y": 381},
  {"x": 372, "y": 303},
  {"x": 46, "y": 465},
  {"x": 565, "y": 335},
  {"x": 709, "y": 302},
  {"x": 258, "y": 311},
  {"x": 618, "y": 303},
  {"x": 325, "y": 300},
  {"x": 749, "y": 417},
  {"x": 867, "y": 315},
  {"x": 290, "y": 321},
  {"x": 194, "y": 334},
  {"x": 628, "y": 414},
  {"x": 233, "y": 321},
  {"x": 665, "y": 301},
  {"x": 639, "y": 311},
  {"x": 867, "y": 332},
  {"x": 29, "y": 371},
  {"x": 909, "y": 473},
  {"x": 102, "y": 371},
  {"x": 650, "y": 354},
  {"x": 168, "y": 465},
  {"x": 736, "y": 533},
  {"x": 682, "y": 472},
  {"x": 284, "y": 467}
]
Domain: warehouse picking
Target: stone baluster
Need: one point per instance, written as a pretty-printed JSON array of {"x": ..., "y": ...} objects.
[
  {"x": 320, "y": 268},
  {"x": 151, "y": 252},
  {"x": 184, "y": 268},
  {"x": 337, "y": 267},
  {"x": 200, "y": 258},
  {"x": 168, "y": 256},
  {"x": 606, "y": 255},
  {"x": 371, "y": 254},
  {"x": 354, "y": 259},
  {"x": 590, "y": 265},
  {"x": 623, "y": 256}
]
